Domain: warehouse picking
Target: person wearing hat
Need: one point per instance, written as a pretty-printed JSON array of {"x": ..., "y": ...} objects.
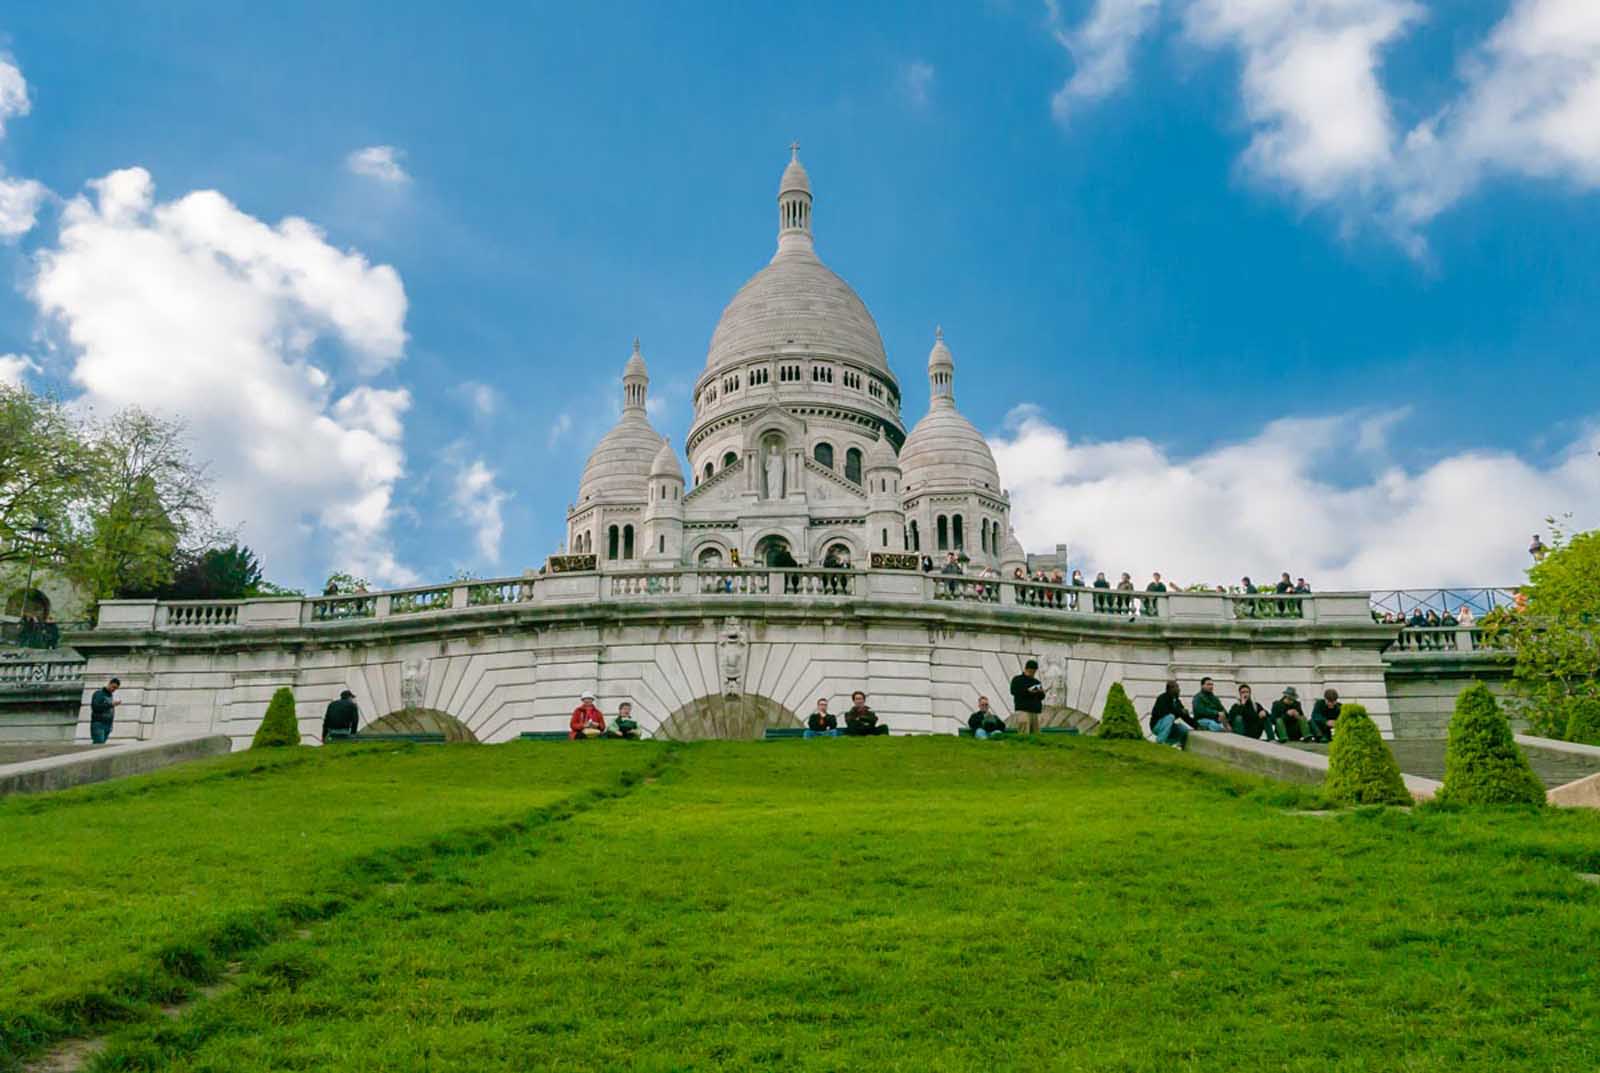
[
  {"x": 103, "y": 710},
  {"x": 342, "y": 715},
  {"x": 587, "y": 722},
  {"x": 1289, "y": 717}
]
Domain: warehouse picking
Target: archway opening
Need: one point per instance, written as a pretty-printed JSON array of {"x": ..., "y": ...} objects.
[
  {"x": 738, "y": 718},
  {"x": 30, "y": 603},
  {"x": 769, "y": 547},
  {"x": 422, "y": 721}
]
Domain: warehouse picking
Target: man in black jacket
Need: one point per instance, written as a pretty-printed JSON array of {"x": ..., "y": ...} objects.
[
  {"x": 822, "y": 723},
  {"x": 861, "y": 721},
  {"x": 986, "y": 722},
  {"x": 103, "y": 711},
  {"x": 1250, "y": 719},
  {"x": 1027, "y": 694},
  {"x": 342, "y": 715},
  {"x": 1289, "y": 717},
  {"x": 1323, "y": 715},
  {"x": 1170, "y": 722}
]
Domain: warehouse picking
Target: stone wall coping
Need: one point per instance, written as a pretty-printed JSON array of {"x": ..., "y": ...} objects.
[
  {"x": 1565, "y": 748},
  {"x": 108, "y": 762},
  {"x": 1283, "y": 763}
]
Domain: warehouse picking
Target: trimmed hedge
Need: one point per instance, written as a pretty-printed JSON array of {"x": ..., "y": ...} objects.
[
  {"x": 1482, "y": 764},
  {"x": 280, "y": 726},
  {"x": 1361, "y": 769},
  {"x": 1119, "y": 721},
  {"x": 1583, "y": 726}
]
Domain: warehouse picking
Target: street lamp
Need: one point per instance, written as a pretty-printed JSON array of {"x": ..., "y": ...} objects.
[{"x": 36, "y": 534}]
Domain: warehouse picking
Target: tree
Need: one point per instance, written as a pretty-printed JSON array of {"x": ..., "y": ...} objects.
[
  {"x": 1584, "y": 725},
  {"x": 1482, "y": 764},
  {"x": 1361, "y": 769},
  {"x": 280, "y": 726},
  {"x": 44, "y": 466},
  {"x": 1556, "y": 640},
  {"x": 229, "y": 573},
  {"x": 1119, "y": 721}
]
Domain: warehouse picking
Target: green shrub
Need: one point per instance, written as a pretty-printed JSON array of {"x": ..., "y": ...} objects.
[
  {"x": 1583, "y": 725},
  {"x": 1482, "y": 764},
  {"x": 1119, "y": 721},
  {"x": 280, "y": 727},
  {"x": 1361, "y": 769}
]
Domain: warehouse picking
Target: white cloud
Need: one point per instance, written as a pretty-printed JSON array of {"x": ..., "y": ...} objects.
[
  {"x": 1258, "y": 506},
  {"x": 13, "y": 367},
  {"x": 13, "y": 92},
  {"x": 916, "y": 82},
  {"x": 1100, "y": 48},
  {"x": 560, "y": 427},
  {"x": 381, "y": 162},
  {"x": 19, "y": 198},
  {"x": 192, "y": 307},
  {"x": 478, "y": 501},
  {"x": 482, "y": 398}
]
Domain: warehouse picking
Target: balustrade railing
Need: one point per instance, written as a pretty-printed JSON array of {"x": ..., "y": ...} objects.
[
  {"x": 1425, "y": 639},
  {"x": 202, "y": 616},
  {"x": 415, "y": 600},
  {"x": 495, "y": 593},
  {"x": 27, "y": 674},
  {"x": 343, "y": 608},
  {"x": 973, "y": 590},
  {"x": 652, "y": 584},
  {"x": 1268, "y": 605}
]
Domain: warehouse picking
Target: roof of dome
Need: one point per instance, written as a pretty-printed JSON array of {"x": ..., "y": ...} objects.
[
  {"x": 666, "y": 462},
  {"x": 794, "y": 177},
  {"x": 635, "y": 366},
  {"x": 879, "y": 454},
  {"x": 620, "y": 463},
  {"x": 1013, "y": 551},
  {"x": 945, "y": 449},
  {"x": 796, "y": 300}
]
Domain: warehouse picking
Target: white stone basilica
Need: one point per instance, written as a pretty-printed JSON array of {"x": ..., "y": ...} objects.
[{"x": 797, "y": 442}]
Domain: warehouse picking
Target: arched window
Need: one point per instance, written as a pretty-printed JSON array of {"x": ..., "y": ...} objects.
[
  {"x": 611, "y": 543},
  {"x": 823, "y": 453},
  {"x": 709, "y": 471},
  {"x": 661, "y": 544},
  {"x": 959, "y": 535},
  {"x": 627, "y": 542},
  {"x": 883, "y": 541},
  {"x": 916, "y": 538},
  {"x": 729, "y": 459},
  {"x": 710, "y": 557},
  {"x": 852, "y": 465},
  {"x": 983, "y": 532},
  {"x": 943, "y": 525}
]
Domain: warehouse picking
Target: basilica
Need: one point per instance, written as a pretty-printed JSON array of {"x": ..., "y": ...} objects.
[{"x": 797, "y": 444}]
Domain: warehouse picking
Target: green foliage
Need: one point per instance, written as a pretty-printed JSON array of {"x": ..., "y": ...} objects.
[
  {"x": 230, "y": 573},
  {"x": 280, "y": 726},
  {"x": 1483, "y": 765},
  {"x": 1119, "y": 721},
  {"x": 44, "y": 469},
  {"x": 1361, "y": 769},
  {"x": 1556, "y": 640},
  {"x": 1583, "y": 725},
  {"x": 342, "y": 584}
]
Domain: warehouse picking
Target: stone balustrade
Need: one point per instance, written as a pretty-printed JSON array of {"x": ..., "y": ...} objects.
[
  {"x": 34, "y": 674},
  {"x": 1433, "y": 640},
  {"x": 201, "y": 614}
]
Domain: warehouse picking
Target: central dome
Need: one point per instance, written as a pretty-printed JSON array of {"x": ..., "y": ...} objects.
[{"x": 796, "y": 303}]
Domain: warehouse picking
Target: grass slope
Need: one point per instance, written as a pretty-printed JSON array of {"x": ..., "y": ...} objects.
[{"x": 910, "y": 904}]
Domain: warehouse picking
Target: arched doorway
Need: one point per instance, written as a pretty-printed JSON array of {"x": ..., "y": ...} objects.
[
  {"x": 421, "y": 721},
  {"x": 768, "y": 546},
  {"x": 726, "y": 718},
  {"x": 30, "y": 602}
]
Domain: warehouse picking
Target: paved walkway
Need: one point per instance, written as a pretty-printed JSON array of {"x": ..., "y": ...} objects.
[{"x": 16, "y": 754}]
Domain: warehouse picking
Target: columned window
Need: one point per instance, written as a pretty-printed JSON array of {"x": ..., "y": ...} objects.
[
  {"x": 942, "y": 526},
  {"x": 627, "y": 542},
  {"x": 852, "y": 465},
  {"x": 611, "y": 543}
]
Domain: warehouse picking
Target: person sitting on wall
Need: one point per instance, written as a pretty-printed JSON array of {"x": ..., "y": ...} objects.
[
  {"x": 1027, "y": 693},
  {"x": 1250, "y": 719},
  {"x": 1208, "y": 711},
  {"x": 342, "y": 716},
  {"x": 103, "y": 711},
  {"x": 626, "y": 726},
  {"x": 1169, "y": 722},
  {"x": 986, "y": 722},
  {"x": 1323, "y": 715},
  {"x": 1290, "y": 717},
  {"x": 861, "y": 721},
  {"x": 822, "y": 723},
  {"x": 587, "y": 722}
]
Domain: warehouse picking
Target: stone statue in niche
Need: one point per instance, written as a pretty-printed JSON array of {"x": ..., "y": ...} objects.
[
  {"x": 732, "y": 649},
  {"x": 413, "y": 683},
  {"x": 774, "y": 470},
  {"x": 1054, "y": 679}
]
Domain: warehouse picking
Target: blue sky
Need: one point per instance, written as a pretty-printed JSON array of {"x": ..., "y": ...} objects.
[{"x": 1185, "y": 233}]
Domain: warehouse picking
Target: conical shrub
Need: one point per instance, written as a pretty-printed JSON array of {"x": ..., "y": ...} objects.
[
  {"x": 1482, "y": 764},
  {"x": 1119, "y": 720},
  {"x": 1583, "y": 726},
  {"x": 1361, "y": 769},
  {"x": 280, "y": 726}
]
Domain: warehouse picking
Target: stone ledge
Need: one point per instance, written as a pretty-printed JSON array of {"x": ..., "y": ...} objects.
[
  {"x": 1281, "y": 762},
  {"x": 1570, "y": 749},
  {"x": 1584, "y": 793},
  {"x": 107, "y": 762}
]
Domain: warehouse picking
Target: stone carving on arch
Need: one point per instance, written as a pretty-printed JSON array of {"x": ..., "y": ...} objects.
[
  {"x": 742, "y": 717},
  {"x": 830, "y": 537},
  {"x": 711, "y": 544},
  {"x": 421, "y": 721}
]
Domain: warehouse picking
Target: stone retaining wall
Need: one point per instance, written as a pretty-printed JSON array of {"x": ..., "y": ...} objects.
[{"x": 107, "y": 762}]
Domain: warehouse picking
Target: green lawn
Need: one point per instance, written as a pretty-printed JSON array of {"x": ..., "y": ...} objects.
[{"x": 901, "y": 904}]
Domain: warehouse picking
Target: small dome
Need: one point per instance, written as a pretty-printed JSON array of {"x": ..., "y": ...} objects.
[
  {"x": 880, "y": 455},
  {"x": 940, "y": 357},
  {"x": 944, "y": 450},
  {"x": 635, "y": 366},
  {"x": 666, "y": 463},
  {"x": 620, "y": 464},
  {"x": 794, "y": 178},
  {"x": 1013, "y": 551}
]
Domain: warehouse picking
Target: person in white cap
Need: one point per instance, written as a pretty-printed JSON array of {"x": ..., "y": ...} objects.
[{"x": 587, "y": 722}]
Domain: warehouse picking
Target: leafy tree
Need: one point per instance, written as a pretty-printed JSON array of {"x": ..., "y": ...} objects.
[
  {"x": 280, "y": 726},
  {"x": 44, "y": 468},
  {"x": 230, "y": 573},
  {"x": 1584, "y": 726},
  {"x": 1483, "y": 765},
  {"x": 1361, "y": 769},
  {"x": 1119, "y": 721},
  {"x": 1556, "y": 640},
  {"x": 342, "y": 584}
]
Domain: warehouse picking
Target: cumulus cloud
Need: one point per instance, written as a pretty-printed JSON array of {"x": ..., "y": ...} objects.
[
  {"x": 19, "y": 198},
  {"x": 916, "y": 82},
  {"x": 482, "y": 398},
  {"x": 477, "y": 500},
  {"x": 264, "y": 339},
  {"x": 13, "y": 367},
  {"x": 1259, "y": 506},
  {"x": 381, "y": 162},
  {"x": 1322, "y": 123},
  {"x": 13, "y": 92}
]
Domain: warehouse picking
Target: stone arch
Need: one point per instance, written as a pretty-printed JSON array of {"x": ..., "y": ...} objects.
[
  {"x": 830, "y": 537},
  {"x": 28, "y": 602},
  {"x": 710, "y": 544},
  {"x": 740, "y": 718},
  {"x": 422, "y": 721},
  {"x": 764, "y": 539}
]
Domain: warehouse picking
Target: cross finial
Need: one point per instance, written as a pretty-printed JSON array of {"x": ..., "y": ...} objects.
[
  {"x": 636, "y": 344},
  {"x": 938, "y": 332},
  {"x": 794, "y": 149}
]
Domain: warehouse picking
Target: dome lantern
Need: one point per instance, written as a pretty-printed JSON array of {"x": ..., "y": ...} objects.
[
  {"x": 635, "y": 380},
  {"x": 794, "y": 204},
  {"x": 941, "y": 372}
]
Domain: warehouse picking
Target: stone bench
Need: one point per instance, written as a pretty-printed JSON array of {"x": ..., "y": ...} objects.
[
  {"x": 779, "y": 733},
  {"x": 544, "y": 735},
  {"x": 344, "y": 737},
  {"x": 966, "y": 732}
]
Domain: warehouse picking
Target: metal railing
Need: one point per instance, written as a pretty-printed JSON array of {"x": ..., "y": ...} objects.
[{"x": 1405, "y": 601}]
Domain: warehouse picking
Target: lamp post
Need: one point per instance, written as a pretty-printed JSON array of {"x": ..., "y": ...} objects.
[{"x": 36, "y": 533}]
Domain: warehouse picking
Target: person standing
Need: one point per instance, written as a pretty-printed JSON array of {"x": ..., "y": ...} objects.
[
  {"x": 586, "y": 722},
  {"x": 1101, "y": 603},
  {"x": 861, "y": 721},
  {"x": 342, "y": 715},
  {"x": 1027, "y": 694},
  {"x": 1208, "y": 711},
  {"x": 986, "y": 722},
  {"x": 822, "y": 723},
  {"x": 1169, "y": 722},
  {"x": 1324, "y": 713},
  {"x": 103, "y": 711},
  {"x": 1537, "y": 549}
]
